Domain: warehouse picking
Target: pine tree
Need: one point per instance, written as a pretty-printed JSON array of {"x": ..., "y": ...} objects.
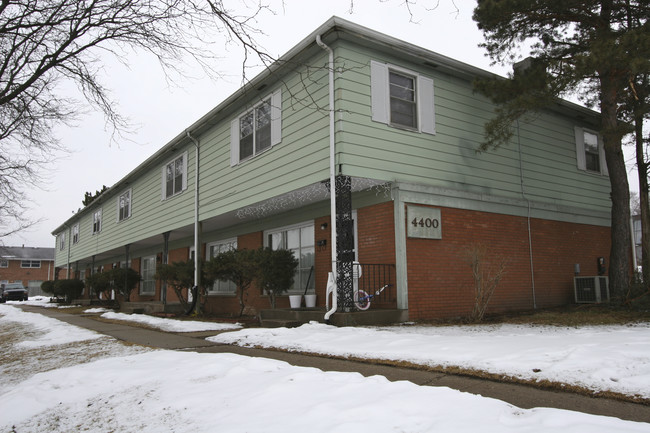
[{"x": 594, "y": 48}]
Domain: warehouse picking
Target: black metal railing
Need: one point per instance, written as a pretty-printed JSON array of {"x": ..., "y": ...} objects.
[{"x": 373, "y": 278}]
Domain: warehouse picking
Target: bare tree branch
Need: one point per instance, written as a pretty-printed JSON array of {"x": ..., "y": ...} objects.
[{"x": 46, "y": 43}]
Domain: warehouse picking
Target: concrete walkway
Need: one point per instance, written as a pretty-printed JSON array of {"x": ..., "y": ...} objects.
[{"x": 520, "y": 395}]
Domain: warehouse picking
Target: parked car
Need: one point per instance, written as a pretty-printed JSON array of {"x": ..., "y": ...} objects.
[{"x": 13, "y": 292}]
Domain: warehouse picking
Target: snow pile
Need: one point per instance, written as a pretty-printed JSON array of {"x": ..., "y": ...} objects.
[
  {"x": 96, "y": 310},
  {"x": 48, "y": 331},
  {"x": 190, "y": 392},
  {"x": 172, "y": 325},
  {"x": 600, "y": 358}
]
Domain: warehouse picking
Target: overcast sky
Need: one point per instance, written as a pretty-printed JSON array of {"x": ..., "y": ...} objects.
[{"x": 162, "y": 110}]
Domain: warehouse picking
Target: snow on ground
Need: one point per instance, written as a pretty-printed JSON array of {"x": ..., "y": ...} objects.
[
  {"x": 32, "y": 343},
  {"x": 167, "y": 391},
  {"x": 52, "y": 331},
  {"x": 600, "y": 358},
  {"x": 172, "y": 325}
]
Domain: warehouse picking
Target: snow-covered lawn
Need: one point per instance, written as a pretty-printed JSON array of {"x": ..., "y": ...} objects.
[
  {"x": 134, "y": 389},
  {"x": 599, "y": 358},
  {"x": 169, "y": 325}
]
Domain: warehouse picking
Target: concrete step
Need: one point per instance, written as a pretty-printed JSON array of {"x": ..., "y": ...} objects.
[{"x": 274, "y": 323}]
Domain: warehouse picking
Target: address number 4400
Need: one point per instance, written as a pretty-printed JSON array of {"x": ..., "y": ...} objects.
[{"x": 426, "y": 222}]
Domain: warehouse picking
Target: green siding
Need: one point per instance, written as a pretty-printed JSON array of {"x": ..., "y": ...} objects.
[
  {"x": 448, "y": 159},
  {"x": 544, "y": 152}
]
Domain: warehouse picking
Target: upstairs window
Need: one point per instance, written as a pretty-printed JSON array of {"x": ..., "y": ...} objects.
[
  {"x": 4, "y": 263},
  {"x": 62, "y": 241},
  {"x": 592, "y": 156},
  {"x": 590, "y": 151},
  {"x": 97, "y": 221},
  {"x": 30, "y": 264},
  {"x": 75, "y": 234},
  {"x": 403, "y": 104},
  {"x": 124, "y": 206},
  {"x": 256, "y": 130},
  {"x": 401, "y": 98},
  {"x": 174, "y": 177}
]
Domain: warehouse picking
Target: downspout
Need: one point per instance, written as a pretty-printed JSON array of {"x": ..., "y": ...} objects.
[
  {"x": 197, "y": 251},
  {"x": 68, "y": 241},
  {"x": 634, "y": 257},
  {"x": 530, "y": 241},
  {"x": 331, "y": 281}
]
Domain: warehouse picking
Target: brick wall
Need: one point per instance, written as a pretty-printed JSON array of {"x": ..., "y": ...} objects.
[
  {"x": 376, "y": 234},
  {"x": 15, "y": 273},
  {"x": 439, "y": 276},
  {"x": 253, "y": 299}
]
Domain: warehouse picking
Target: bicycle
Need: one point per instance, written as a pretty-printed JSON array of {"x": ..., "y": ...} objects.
[{"x": 362, "y": 298}]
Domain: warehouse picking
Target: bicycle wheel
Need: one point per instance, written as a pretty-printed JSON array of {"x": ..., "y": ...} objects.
[{"x": 361, "y": 300}]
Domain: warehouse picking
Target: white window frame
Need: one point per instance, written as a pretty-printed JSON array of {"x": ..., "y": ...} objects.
[
  {"x": 303, "y": 268},
  {"x": 4, "y": 263},
  {"x": 97, "y": 221},
  {"x": 380, "y": 97},
  {"x": 184, "y": 164},
  {"x": 148, "y": 284},
  {"x": 75, "y": 234},
  {"x": 276, "y": 128},
  {"x": 125, "y": 197},
  {"x": 581, "y": 155},
  {"x": 62, "y": 241},
  {"x": 221, "y": 287},
  {"x": 31, "y": 264}
]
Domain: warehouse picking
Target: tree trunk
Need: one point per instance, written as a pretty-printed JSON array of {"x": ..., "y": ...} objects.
[
  {"x": 644, "y": 199},
  {"x": 620, "y": 263}
]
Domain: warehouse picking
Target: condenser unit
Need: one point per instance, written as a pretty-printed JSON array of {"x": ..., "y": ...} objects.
[{"x": 591, "y": 289}]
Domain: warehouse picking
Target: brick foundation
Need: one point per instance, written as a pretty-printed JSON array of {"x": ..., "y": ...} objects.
[{"x": 439, "y": 276}]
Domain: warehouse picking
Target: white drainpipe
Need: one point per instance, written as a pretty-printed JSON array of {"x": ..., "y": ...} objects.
[
  {"x": 196, "y": 218},
  {"x": 331, "y": 281}
]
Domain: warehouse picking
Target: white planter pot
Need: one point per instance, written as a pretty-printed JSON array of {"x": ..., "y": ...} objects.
[
  {"x": 310, "y": 301},
  {"x": 295, "y": 301}
]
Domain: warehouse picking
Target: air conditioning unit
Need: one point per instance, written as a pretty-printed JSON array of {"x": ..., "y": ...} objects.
[{"x": 590, "y": 290}]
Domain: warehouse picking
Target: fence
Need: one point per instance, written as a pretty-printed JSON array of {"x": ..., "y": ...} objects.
[{"x": 375, "y": 276}]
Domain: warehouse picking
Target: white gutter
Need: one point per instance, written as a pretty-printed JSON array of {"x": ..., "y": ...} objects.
[
  {"x": 197, "y": 252},
  {"x": 331, "y": 281}
]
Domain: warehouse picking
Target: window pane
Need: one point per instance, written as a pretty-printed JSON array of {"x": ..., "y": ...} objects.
[
  {"x": 169, "y": 182},
  {"x": 307, "y": 257},
  {"x": 403, "y": 107},
  {"x": 263, "y": 126},
  {"x": 592, "y": 161},
  {"x": 263, "y": 114},
  {"x": 246, "y": 136},
  {"x": 592, "y": 155},
  {"x": 403, "y": 113},
  {"x": 307, "y": 280},
  {"x": 307, "y": 236},
  {"x": 591, "y": 142},
  {"x": 276, "y": 241},
  {"x": 263, "y": 138},
  {"x": 293, "y": 239},
  {"x": 402, "y": 87},
  {"x": 178, "y": 178}
]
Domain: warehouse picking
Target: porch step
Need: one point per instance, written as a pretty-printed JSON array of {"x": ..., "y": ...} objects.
[{"x": 275, "y": 323}]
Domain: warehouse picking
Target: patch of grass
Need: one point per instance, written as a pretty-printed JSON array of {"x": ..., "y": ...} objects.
[{"x": 575, "y": 315}]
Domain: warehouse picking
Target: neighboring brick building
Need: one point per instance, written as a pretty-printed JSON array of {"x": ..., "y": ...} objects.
[{"x": 28, "y": 265}]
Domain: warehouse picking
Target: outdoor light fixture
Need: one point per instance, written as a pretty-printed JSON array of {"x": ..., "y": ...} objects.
[
  {"x": 323, "y": 226},
  {"x": 576, "y": 269}
]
